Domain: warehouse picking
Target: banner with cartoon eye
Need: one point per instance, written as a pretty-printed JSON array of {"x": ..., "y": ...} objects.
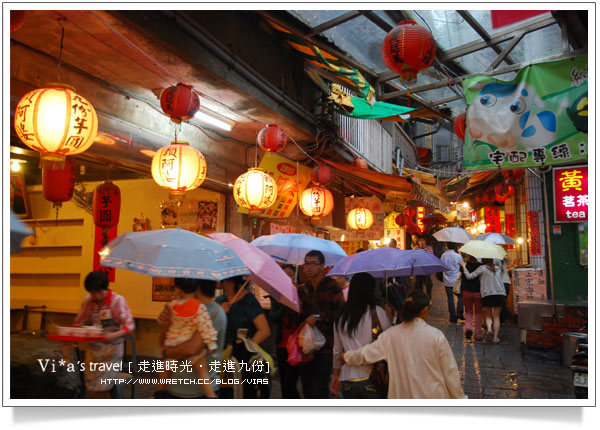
[{"x": 538, "y": 118}]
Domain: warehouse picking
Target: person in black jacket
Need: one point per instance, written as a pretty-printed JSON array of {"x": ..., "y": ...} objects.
[{"x": 471, "y": 295}]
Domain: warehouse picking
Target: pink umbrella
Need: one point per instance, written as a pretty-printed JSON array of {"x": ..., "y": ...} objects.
[{"x": 266, "y": 273}]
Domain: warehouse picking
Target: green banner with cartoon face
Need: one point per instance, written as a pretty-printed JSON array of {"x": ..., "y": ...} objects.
[{"x": 538, "y": 118}]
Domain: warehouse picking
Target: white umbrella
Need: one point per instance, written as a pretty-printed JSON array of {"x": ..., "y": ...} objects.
[
  {"x": 453, "y": 234},
  {"x": 497, "y": 238},
  {"x": 482, "y": 249}
]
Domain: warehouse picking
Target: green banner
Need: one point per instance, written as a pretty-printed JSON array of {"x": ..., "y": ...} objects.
[{"x": 538, "y": 118}]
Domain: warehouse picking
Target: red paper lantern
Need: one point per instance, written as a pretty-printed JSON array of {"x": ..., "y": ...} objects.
[
  {"x": 106, "y": 205},
  {"x": 460, "y": 124},
  {"x": 410, "y": 212},
  {"x": 517, "y": 174},
  {"x": 272, "y": 138},
  {"x": 501, "y": 188},
  {"x": 321, "y": 175},
  {"x": 402, "y": 220},
  {"x": 478, "y": 198},
  {"x": 17, "y": 19},
  {"x": 413, "y": 229},
  {"x": 58, "y": 185},
  {"x": 179, "y": 102},
  {"x": 360, "y": 163},
  {"x": 408, "y": 49},
  {"x": 507, "y": 173}
]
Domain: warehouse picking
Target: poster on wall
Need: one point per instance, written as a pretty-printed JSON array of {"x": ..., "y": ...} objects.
[
  {"x": 529, "y": 284},
  {"x": 538, "y": 118},
  {"x": 285, "y": 173},
  {"x": 570, "y": 194},
  {"x": 193, "y": 215}
]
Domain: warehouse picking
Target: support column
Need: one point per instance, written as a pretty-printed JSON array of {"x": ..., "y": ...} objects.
[{"x": 535, "y": 203}]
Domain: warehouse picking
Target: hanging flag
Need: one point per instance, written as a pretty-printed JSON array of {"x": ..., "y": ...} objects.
[{"x": 538, "y": 118}]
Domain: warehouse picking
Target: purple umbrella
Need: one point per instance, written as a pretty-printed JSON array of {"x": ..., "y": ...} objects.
[
  {"x": 265, "y": 272},
  {"x": 389, "y": 262}
]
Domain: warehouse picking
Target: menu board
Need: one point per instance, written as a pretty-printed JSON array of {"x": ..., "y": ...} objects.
[{"x": 529, "y": 284}]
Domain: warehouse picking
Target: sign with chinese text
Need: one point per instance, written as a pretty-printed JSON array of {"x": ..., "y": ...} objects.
[
  {"x": 420, "y": 216},
  {"x": 193, "y": 215},
  {"x": 101, "y": 238},
  {"x": 571, "y": 194},
  {"x": 351, "y": 246},
  {"x": 492, "y": 219},
  {"x": 510, "y": 227},
  {"x": 285, "y": 173},
  {"x": 533, "y": 231},
  {"x": 538, "y": 118},
  {"x": 276, "y": 228},
  {"x": 529, "y": 284},
  {"x": 163, "y": 289}
]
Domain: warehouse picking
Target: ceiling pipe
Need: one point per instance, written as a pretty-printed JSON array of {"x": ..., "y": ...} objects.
[
  {"x": 437, "y": 123},
  {"x": 239, "y": 66}
]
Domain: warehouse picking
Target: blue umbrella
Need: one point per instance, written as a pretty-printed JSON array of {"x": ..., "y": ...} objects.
[
  {"x": 18, "y": 231},
  {"x": 389, "y": 262},
  {"x": 173, "y": 253},
  {"x": 291, "y": 248}
]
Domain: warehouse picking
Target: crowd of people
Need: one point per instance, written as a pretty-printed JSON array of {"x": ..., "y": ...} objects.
[{"x": 360, "y": 323}]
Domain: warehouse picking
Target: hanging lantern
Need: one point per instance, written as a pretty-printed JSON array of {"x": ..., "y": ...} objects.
[
  {"x": 179, "y": 102},
  {"x": 460, "y": 124},
  {"x": 500, "y": 198},
  {"x": 517, "y": 174},
  {"x": 488, "y": 197},
  {"x": 17, "y": 19},
  {"x": 272, "y": 138},
  {"x": 360, "y": 218},
  {"x": 410, "y": 211},
  {"x": 58, "y": 185},
  {"x": 478, "y": 198},
  {"x": 408, "y": 49},
  {"x": 506, "y": 173},
  {"x": 255, "y": 190},
  {"x": 56, "y": 122},
  {"x": 320, "y": 175},
  {"x": 501, "y": 188},
  {"x": 413, "y": 229},
  {"x": 106, "y": 205},
  {"x": 316, "y": 202},
  {"x": 360, "y": 163},
  {"x": 178, "y": 167},
  {"x": 402, "y": 220}
]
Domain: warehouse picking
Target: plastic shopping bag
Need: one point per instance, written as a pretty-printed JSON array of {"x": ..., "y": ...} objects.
[
  {"x": 295, "y": 354},
  {"x": 311, "y": 339}
]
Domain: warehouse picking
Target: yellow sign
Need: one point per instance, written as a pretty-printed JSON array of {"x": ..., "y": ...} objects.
[
  {"x": 285, "y": 173},
  {"x": 572, "y": 179}
]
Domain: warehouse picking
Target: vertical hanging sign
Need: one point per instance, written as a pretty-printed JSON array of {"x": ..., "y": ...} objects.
[
  {"x": 420, "y": 216},
  {"x": 101, "y": 238},
  {"x": 570, "y": 194},
  {"x": 492, "y": 219}
]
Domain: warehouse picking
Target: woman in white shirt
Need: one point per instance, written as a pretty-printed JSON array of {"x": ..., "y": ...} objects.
[
  {"x": 420, "y": 360},
  {"x": 353, "y": 329},
  {"x": 493, "y": 295}
]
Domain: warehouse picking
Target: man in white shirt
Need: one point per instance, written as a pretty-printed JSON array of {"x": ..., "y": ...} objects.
[{"x": 452, "y": 259}]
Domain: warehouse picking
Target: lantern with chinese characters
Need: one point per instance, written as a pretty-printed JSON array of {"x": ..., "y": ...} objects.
[
  {"x": 408, "y": 49},
  {"x": 179, "y": 102},
  {"x": 106, "y": 205},
  {"x": 360, "y": 219},
  {"x": 410, "y": 211},
  {"x": 178, "y": 167},
  {"x": 316, "y": 202},
  {"x": 56, "y": 122},
  {"x": 320, "y": 175},
  {"x": 272, "y": 138},
  {"x": 360, "y": 163},
  {"x": 58, "y": 185},
  {"x": 460, "y": 124},
  {"x": 255, "y": 190}
]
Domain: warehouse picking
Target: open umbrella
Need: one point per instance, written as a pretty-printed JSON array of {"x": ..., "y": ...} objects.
[
  {"x": 292, "y": 247},
  {"x": 172, "y": 253},
  {"x": 265, "y": 272},
  {"x": 497, "y": 238},
  {"x": 389, "y": 262},
  {"x": 436, "y": 218},
  {"x": 453, "y": 234},
  {"x": 18, "y": 231},
  {"x": 482, "y": 249}
]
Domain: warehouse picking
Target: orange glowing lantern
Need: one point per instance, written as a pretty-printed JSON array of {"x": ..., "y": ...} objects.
[
  {"x": 56, "y": 122},
  {"x": 178, "y": 167},
  {"x": 255, "y": 190},
  {"x": 316, "y": 202},
  {"x": 360, "y": 219}
]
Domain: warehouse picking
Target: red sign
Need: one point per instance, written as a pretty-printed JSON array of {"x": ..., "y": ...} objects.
[
  {"x": 101, "y": 238},
  {"x": 500, "y": 18},
  {"x": 420, "y": 216},
  {"x": 570, "y": 194},
  {"x": 533, "y": 231},
  {"x": 492, "y": 219},
  {"x": 510, "y": 227}
]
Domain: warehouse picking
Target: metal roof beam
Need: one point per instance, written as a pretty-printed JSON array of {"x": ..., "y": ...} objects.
[
  {"x": 504, "y": 54},
  {"x": 481, "y": 32},
  {"x": 333, "y": 23}
]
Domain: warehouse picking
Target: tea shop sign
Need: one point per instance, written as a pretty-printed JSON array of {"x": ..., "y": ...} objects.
[{"x": 571, "y": 194}]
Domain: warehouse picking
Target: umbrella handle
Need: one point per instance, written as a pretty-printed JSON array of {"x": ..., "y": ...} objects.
[{"x": 234, "y": 298}]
